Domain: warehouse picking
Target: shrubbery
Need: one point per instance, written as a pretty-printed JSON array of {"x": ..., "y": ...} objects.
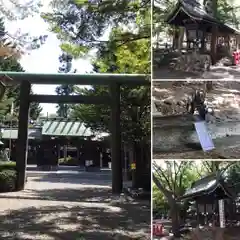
[
  {"x": 8, "y": 176},
  {"x": 69, "y": 161},
  {"x": 7, "y": 165}
]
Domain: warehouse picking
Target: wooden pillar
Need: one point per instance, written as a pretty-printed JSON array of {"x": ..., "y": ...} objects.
[
  {"x": 65, "y": 152},
  {"x": 101, "y": 159},
  {"x": 205, "y": 214},
  {"x": 203, "y": 41},
  {"x": 58, "y": 150},
  {"x": 22, "y": 141},
  {"x": 117, "y": 182},
  {"x": 198, "y": 218}
]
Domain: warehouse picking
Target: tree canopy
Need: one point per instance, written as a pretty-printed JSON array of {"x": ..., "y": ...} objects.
[
  {"x": 11, "y": 97},
  {"x": 82, "y": 25}
]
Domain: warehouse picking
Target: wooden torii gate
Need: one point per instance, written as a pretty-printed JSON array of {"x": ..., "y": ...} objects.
[{"x": 114, "y": 81}]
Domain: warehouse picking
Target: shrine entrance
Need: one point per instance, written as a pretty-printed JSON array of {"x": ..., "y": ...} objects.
[{"x": 113, "y": 81}]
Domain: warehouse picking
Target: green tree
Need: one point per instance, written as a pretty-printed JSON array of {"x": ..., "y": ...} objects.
[
  {"x": 65, "y": 60},
  {"x": 135, "y": 103},
  {"x": 63, "y": 110},
  {"x": 12, "y": 93},
  {"x": 172, "y": 178},
  {"x": 81, "y": 24}
]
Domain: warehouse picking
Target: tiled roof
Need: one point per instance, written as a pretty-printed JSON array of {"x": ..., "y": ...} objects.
[
  {"x": 56, "y": 128},
  {"x": 66, "y": 128}
]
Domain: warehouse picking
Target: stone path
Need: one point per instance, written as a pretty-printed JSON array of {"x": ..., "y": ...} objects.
[{"x": 71, "y": 205}]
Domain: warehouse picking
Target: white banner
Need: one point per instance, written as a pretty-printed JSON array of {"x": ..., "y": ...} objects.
[
  {"x": 204, "y": 136},
  {"x": 221, "y": 213}
]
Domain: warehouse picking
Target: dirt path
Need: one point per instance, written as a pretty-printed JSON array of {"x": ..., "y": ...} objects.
[
  {"x": 169, "y": 98},
  {"x": 71, "y": 206}
]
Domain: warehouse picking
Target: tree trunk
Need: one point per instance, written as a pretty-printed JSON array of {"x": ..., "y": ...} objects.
[
  {"x": 180, "y": 38},
  {"x": 214, "y": 44},
  {"x": 175, "y": 38},
  {"x": 143, "y": 171},
  {"x": 175, "y": 217},
  {"x": 174, "y": 209},
  {"x": 214, "y": 34}
]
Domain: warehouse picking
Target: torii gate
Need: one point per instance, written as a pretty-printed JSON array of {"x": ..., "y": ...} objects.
[{"x": 114, "y": 81}]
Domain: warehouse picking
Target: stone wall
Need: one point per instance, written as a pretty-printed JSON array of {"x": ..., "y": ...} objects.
[{"x": 193, "y": 62}]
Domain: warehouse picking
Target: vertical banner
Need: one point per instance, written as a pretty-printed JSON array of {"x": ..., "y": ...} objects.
[
  {"x": 221, "y": 213},
  {"x": 204, "y": 136}
]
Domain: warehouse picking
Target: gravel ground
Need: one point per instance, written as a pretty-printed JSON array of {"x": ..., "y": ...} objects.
[{"x": 72, "y": 207}]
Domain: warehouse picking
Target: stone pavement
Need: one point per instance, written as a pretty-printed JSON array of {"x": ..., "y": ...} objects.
[{"x": 73, "y": 205}]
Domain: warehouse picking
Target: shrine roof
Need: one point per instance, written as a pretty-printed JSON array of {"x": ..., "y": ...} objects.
[
  {"x": 193, "y": 9},
  {"x": 207, "y": 186},
  {"x": 57, "y": 128},
  {"x": 68, "y": 128}
]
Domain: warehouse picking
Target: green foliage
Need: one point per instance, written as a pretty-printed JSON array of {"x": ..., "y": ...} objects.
[
  {"x": 8, "y": 180},
  {"x": 175, "y": 177},
  {"x": 68, "y": 161},
  {"x": 74, "y": 50},
  {"x": 12, "y": 93},
  {"x": 65, "y": 60},
  {"x": 161, "y": 9},
  {"x": 84, "y": 23},
  {"x": 231, "y": 175},
  {"x": 227, "y": 13},
  {"x": 126, "y": 51},
  {"x": 7, "y": 165},
  {"x": 159, "y": 201},
  {"x": 81, "y": 26}
]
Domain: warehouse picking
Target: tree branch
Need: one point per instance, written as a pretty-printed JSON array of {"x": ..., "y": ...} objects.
[{"x": 157, "y": 168}]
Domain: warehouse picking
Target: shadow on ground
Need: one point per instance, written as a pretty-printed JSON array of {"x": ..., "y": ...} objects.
[
  {"x": 88, "y": 223},
  {"x": 73, "y": 214},
  {"x": 83, "y": 178}
]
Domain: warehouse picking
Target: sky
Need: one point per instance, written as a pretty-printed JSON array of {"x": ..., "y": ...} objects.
[{"x": 44, "y": 59}]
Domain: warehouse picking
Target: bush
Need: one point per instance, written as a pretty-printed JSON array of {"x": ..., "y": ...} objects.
[
  {"x": 7, "y": 165},
  {"x": 8, "y": 176},
  {"x": 8, "y": 180},
  {"x": 69, "y": 161}
]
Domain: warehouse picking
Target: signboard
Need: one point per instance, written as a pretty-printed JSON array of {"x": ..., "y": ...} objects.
[
  {"x": 88, "y": 163},
  {"x": 204, "y": 136},
  {"x": 133, "y": 166}
]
